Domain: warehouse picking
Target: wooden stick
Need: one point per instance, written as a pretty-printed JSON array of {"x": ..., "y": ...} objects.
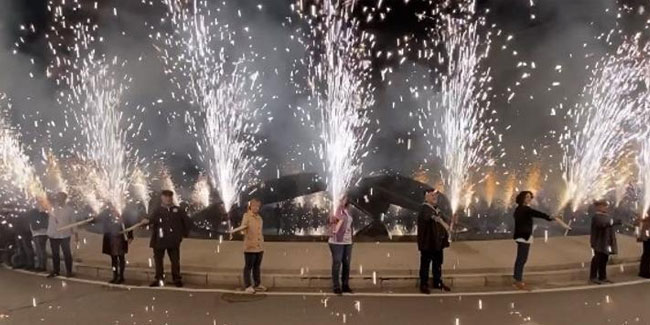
[
  {"x": 75, "y": 224},
  {"x": 137, "y": 225},
  {"x": 566, "y": 227}
]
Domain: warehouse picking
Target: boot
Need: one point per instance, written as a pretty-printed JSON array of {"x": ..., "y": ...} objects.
[{"x": 115, "y": 278}]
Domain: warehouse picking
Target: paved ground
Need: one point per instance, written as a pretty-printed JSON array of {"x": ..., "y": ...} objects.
[
  {"x": 384, "y": 258},
  {"x": 29, "y": 299}
]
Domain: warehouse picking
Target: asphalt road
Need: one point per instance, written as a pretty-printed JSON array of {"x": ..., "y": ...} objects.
[{"x": 30, "y": 299}]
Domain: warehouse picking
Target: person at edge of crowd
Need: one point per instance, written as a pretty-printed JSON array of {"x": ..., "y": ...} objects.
[
  {"x": 252, "y": 225},
  {"x": 24, "y": 258},
  {"x": 38, "y": 222},
  {"x": 115, "y": 242},
  {"x": 433, "y": 238},
  {"x": 340, "y": 243},
  {"x": 523, "y": 234},
  {"x": 61, "y": 215},
  {"x": 169, "y": 224},
  {"x": 643, "y": 236},
  {"x": 603, "y": 242}
]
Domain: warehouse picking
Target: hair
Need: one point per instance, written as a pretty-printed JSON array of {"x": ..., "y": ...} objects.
[
  {"x": 600, "y": 203},
  {"x": 254, "y": 200},
  {"x": 167, "y": 193},
  {"x": 522, "y": 196},
  {"x": 429, "y": 190}
]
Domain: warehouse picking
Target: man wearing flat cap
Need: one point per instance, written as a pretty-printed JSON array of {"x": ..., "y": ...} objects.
[{"x": 169, "y": 224}]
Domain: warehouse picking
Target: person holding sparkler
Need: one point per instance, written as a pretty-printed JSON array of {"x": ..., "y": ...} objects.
[
  {"x": 523, "y": 234},
  {"x": 169, "y": 224},
  {"x": 603, "y": 241},
  {"x": 643, "y": 236},
  {"x": 340, "y": 243},
  {"x": 38, "y": 223},
  {"x": 433, "y": 238},
  {"x": 115, "y": 242},
  {"x": 252, "y": 224},
  {"x": 60, "y": 216}
]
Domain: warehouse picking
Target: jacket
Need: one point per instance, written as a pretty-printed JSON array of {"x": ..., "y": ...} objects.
[
  {"x": 168, "y": 227},
  {"x": 603, "y": 237},
  {"x": 38, "y": 221},
  {"x": 524, "y": 221},
  {"x": 432, "y": 236},
  {"x": 114, "y": 242}
]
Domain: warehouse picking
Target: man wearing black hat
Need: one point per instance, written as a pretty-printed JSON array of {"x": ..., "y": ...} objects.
[
  {"x": 169, "y": 224},
  {"x": 433, "y": 237}
]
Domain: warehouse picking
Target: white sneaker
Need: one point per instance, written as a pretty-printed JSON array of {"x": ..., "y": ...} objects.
[
  {"x": 260, "y": 288},
  {"x": 250, "y": 290}
]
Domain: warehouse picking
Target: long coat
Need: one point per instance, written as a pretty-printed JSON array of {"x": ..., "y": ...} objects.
[
  {"x": 432, "y": 236},
  {"x": 114, "y": 242},
  {"x": 168, "y": 227},
  {"x": 603, "y": 236}
]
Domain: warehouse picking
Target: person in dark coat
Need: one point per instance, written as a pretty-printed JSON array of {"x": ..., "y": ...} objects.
[
  {"x": 169, "y": 224},
  {"x": 603, "y": 242},
  {"x": 644, "y": 237},
  {"x": 433, "y": 238},
  {"x": 38, "y": 221},
  {"x": 25, "y": 250},
  {"x": 115, "y": 242},
  {"x": 523, "y": 234}
]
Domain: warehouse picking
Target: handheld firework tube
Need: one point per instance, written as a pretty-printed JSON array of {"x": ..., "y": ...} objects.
[
  {"x": 134, "y": 227},
  {"x": 75, "y": 224}
]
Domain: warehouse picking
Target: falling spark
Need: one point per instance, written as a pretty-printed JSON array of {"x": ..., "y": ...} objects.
[
  {"x": 603, "y": 126},
  {"x": 223, "y": 90},
  {"x": 339, "y": 74}
]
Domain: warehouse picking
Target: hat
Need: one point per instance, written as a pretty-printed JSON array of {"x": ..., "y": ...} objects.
[{"x": 167, "y": 193}]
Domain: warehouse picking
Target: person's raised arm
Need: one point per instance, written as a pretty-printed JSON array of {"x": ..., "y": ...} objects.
[
  {"x": 244, "y": 225},
  {"x": 539, "y": 214}
]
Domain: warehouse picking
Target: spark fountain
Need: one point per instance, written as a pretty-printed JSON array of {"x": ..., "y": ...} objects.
[
  {"x": 339, "y": 85},
  {"x": 16, "y": 169},
  {"x": 458, "y": 116},
  {"x": 603, "y": 126},
  {"x": 198, "y": 56},
  {"x": 94, "y": 87}
]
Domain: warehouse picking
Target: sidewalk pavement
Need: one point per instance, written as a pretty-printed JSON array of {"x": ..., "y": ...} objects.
[{"x": 387, "y": 265}]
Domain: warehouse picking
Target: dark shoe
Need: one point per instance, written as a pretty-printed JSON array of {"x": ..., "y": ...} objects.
[
  {"x": 645, "y": 276},
  {"x": 52, "y": 275},
  {"x": 157, "y": 283},
  {"x": 347, "y": 289},
  {"x": 595, "y": 281},
  {"x": 178, "y": 284},
  {"x": 425, "y": 290},
  {"x": 119, "y": 280},
  {"x": 114, "y": 279},
  {"x": 606, "y": 281},
  {"x": 442, "y": 287},
  {"x": 338, "y": 291}
]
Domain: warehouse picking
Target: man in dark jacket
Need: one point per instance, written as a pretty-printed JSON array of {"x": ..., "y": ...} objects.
[
  {"x": 38, "y": 221},
  {"x": 603, "y": 242},
  {"x": 433, "y": 237},
  {"x": 169, "y": 224}
]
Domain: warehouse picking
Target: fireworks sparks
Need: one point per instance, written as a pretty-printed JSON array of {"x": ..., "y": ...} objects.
[
  {"x": 339, "y": 72},
  {"x": 458, "y": 115},
  {"x": 201, "y": 192},
  {"x": 223, "y": 90},
  {"x": 603, "y": 126},
  {"x": 94, "y": 88},
  {"x": 15, "y": 166}
]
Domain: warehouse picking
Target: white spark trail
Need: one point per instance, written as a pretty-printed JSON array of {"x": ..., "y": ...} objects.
[{"x": 223, "y": 90}]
